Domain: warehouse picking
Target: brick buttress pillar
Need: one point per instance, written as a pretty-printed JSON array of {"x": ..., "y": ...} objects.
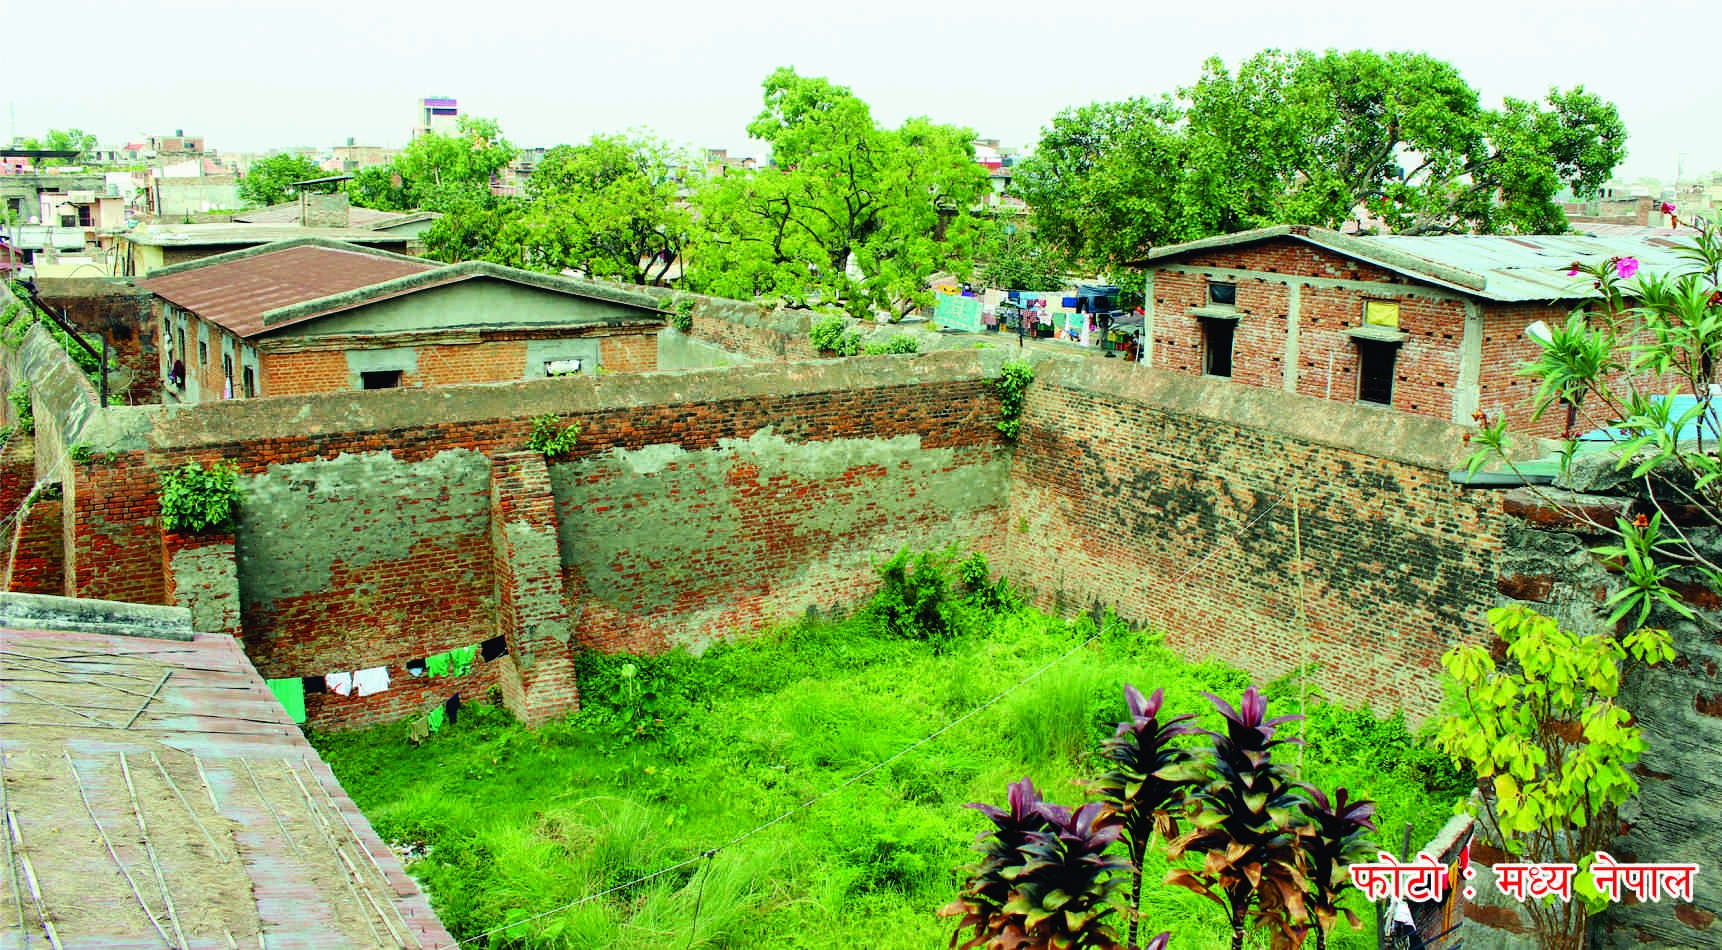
[{"x": 537, "y": 675}]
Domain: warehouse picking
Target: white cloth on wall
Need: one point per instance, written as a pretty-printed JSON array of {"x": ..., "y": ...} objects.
[
  {"x": 373, "y": 680},
  {"x": 339, "y": 683}
]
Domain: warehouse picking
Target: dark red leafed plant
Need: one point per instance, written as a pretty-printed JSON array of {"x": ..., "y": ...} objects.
[
  {"x": 1340, "y": 839},
  {"x": 1247, "y": 823},
  {"x": 990, "y": 884},
  {"x": 1146, "y": 774},
  {"x": 1044, "y": 881}
]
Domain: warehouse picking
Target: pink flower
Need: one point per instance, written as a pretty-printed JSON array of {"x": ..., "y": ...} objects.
[
  {"x": 1668, "y": 207},
  {"x": 1627, "y": 267},
  {"x": 1573, "y": 272}
]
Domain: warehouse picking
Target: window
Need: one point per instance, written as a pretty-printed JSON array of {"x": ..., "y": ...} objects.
[
  {"x": 1217, "y": 346},
  {"x": 227, "y": 375},
  {"x": 380, "y": 379},
  {"x": 1381, "y": 313},
  {"x": 84, "y": 220},
  {"x": 202, "y": 352},
  {"x": 1226, "y": 295},
  {"x": 248, "y": 382},
  {"x": 562, "y": 367},
  {"x": 1375, "y": 360}
]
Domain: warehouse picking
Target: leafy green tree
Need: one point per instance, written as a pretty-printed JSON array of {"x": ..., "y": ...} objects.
[
  {"x": 1551, "y": 747},
  {"x": 451, "y": 174},
  {"x": 848, "y": 212},
  {"x": 62, "y": 140},
  {"x": 1013, "y": 258},
  {"x": 610, "y": 208},
  {"x": 1322, "y": 139},
  {"x": 270, "y": 180}
]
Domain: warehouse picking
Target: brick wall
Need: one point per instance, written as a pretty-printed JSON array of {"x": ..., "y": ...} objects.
[
  {"x": 407, "y": 696},
  {"x": 368, "y": 536},
  {"x": 36, "y": 564},
  {"x": 629, "y": 353},
  {"x": 743, "y": 327},
  {"x": 302, "y": 373},
  {"x": 1170, "y": 500},
  {"x": 200, "y": 573},
  {"x": 120, "y": 311}
]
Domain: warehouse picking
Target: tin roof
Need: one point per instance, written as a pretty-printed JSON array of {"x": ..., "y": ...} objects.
[
  {"x": 236, "y": 293},
  {"x": 155, "y": 772},
  {"x": 1507, "y": 268},
  {"x": 365, "y": 218},
  {"x": 265, "y": 288}
]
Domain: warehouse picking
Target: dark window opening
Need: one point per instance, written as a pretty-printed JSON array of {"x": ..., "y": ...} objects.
[
  {"x": 84, "y": 220},
  {"x": 1223, "y": 294},
  {"x": 315, "y": 684},
  {"x": 1375, "y": 371},
  {"x": 381, "y": 379},
  {"x": 1217, "y": 347},
  {"x": 249, "y": 381},
  {"x": 202, "y": 353}
]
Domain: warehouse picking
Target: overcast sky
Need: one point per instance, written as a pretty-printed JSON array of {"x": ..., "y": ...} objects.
[{"x": 254, "y": 76}]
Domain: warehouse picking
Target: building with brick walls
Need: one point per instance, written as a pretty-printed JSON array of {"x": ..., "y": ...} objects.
[
  {"x": 315, "y": 316},
  {"x": 1434, "y": 326}
]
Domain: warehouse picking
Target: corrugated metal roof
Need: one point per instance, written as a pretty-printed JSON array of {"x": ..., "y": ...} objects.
[
  {"x": 220, "y": 806},
  {"x": 1507, "y": 268},
  {"x": 236, "y": 294}
]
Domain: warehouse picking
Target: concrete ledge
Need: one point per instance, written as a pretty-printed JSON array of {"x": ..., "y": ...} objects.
[
  {"x": 75, "y": 614},
  {"x": 124, "y": 429}
]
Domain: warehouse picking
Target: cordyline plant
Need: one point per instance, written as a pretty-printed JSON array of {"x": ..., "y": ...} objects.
[
  {"x": 1622, "y": 368},
  {"x": 1044, "y": 882},
  {"x": 1339, "y": 838},
  {"x": 1551, "y": 747},
  {"x": 1248, "y": 825},
  {"x": 1146, "y": 775}
]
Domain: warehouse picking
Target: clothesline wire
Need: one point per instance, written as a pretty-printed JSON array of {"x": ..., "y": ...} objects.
[{"x": 900, "y": 753}]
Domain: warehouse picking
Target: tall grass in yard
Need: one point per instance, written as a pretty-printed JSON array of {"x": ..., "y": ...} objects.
[{"x": 518, "y": 822}]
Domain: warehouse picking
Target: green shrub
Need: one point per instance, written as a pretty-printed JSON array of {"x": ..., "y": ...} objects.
[
  {"x": 914, "y": 599},
  {"x": 900, "y": 343},
  {"x": 551, "y": 440},
  {"x": 682, "y": 314},
  {"x": 832, "y": 335},
  {"x": 194, "y": 498},
  {"x": 20, "y": 397},
  {"x": 1012, "y": 386}
]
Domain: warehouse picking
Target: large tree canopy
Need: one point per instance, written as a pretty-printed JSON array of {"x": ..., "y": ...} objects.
[
  {"x": 451, "y": 174},
  {"x": 848, "y": 211},
  {"x": 270, "y": 180},
  {"x": 1322, "y": 139}
]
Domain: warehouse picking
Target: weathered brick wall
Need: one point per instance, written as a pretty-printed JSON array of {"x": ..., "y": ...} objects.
[
  {"x": 120, "y": 311},
  {"x": 201, "y": 573},
  {"x": 532, "y": 607},
  {"x": 1171, "y": 500},
  {"x": 36, "y": 563},
  {"x": 368, "y": 534},
  {"x": 301, "y": 373},
  {"x": 743, "y": 327},
  {"x": 629, "y": 353}
]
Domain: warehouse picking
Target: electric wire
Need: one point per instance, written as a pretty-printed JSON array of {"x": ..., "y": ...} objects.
[{"x": 841, "y": 786}]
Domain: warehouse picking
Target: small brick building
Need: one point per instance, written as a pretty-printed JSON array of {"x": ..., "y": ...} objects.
[
  {"x": 316, "y": 316},
  {"x": 1428, "y": 325}
]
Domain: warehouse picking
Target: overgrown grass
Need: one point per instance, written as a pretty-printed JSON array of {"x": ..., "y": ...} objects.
[{"x": 675, "y": 755}]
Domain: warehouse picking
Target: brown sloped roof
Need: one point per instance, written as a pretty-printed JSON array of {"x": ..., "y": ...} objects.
[{"x": 235, "y": 294}]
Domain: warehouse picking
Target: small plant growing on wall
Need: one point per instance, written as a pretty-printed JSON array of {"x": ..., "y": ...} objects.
[
  {"x": 550, "y": 439},
  {"x": 682, "y": 314},
  {"x": 901, "y": 343},
  {"x": 20, "y": 397},
  {"x": 832, "y": 335},
  {"x": 194, "y": 498},
  {"x": 1012, "y": 387}
]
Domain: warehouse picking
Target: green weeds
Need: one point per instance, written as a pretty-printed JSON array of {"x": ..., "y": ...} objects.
[{"x": 685, "y": 753}]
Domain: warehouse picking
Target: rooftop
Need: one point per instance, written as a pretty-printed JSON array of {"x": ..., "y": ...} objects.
[
  {"x": 235, "y": 291},
  {"x": 194, "y": 235},
  {"x": 259, "y": 289},
  {"x": 164, "y": 796},
  {"x": 1508, "y": 268}
]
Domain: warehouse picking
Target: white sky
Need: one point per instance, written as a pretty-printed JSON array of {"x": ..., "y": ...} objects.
[{"x": 254, "y": 76}]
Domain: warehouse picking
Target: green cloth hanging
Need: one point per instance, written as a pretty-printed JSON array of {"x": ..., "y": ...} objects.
[
  {"x": 436, "y": 718},
  {"x": 291, "y": 694}
]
